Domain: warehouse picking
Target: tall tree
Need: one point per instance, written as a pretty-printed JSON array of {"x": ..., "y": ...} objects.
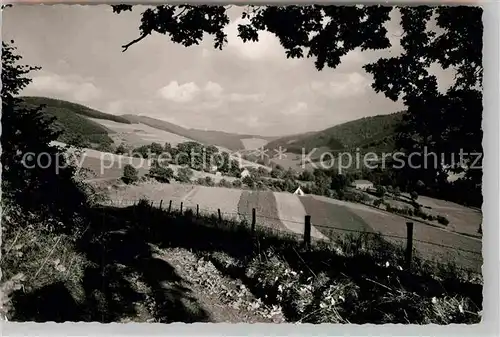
[
  {"x": 440, "y": 122},
  {"x": 33, "y": 168}
]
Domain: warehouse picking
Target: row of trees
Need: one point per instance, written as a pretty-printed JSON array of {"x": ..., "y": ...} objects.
[{"x": 192, "y": 154}]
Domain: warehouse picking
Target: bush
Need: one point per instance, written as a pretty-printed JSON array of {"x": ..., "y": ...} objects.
[
  {"x": 381, "y": 191},
  {"x": 225, "y": 183},
  {"x": 249, "y": 181},
  {"x": 130, "y": 174},
  {"x": 209, "y": 181},
  {"x": 396, "y": 191},
  {"x": 237, "y": 183},
  {"x": 184, "y": 174},
  {"x": 414, "y": 195},
  {"x": 442, "y": 220},
  {"x": 378, "y": 202},
  {"x": 121, "y": 149},
  {"x": 200, "y": 181},
  {"x": 161, "y": 173}
]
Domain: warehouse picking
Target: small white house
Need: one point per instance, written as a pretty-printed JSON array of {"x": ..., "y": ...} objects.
[
  {"x": 298, "y": 191},
  {"x": 362, "y": 184},
  {"x": 245, "y": 173}
]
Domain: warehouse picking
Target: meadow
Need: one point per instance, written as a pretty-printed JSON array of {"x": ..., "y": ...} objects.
[{"x": 329, "y": 217}]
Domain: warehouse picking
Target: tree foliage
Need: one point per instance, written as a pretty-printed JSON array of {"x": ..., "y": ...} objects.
[
  {"x": 161, "y": 172},
  {"x": 29, "y": 161},
  {"x": 441, "y": 122},
  {"x": 130, "y": 174}
]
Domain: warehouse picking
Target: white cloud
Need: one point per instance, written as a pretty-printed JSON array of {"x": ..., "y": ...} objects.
[
  {"x": 179, "y": 93},
  {"x": 205, "y": 53},
  {"x": 86, "y": 92},
  {"x": 267, "y": 46},
  {"x": 238, "y": 97},
  {"x": 214, "y": 89},
  {"x": 115, "y": 108},
  {"x": 342, "y": 85},
  {"x": 298, "y": 108},
  {"x": 71, "y": 87}
]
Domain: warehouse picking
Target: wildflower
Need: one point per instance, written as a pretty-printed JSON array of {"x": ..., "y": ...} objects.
[
  {"x": 387, "y": 264},
  {"x": 342, "y": 298},
  {"x": 400, "y": 268},
  {"x": 461, "y": 308},
  {"x": 434, "y": 300}
]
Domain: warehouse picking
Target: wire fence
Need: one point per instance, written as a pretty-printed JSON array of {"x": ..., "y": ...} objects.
[{"x": 275, "y": 224}]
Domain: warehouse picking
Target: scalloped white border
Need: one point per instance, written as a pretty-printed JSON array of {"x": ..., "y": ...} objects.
[{"x": 488, "y": 327}]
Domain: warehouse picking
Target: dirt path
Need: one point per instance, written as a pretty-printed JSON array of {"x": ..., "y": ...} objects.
[{"x": 224, "y": 299}]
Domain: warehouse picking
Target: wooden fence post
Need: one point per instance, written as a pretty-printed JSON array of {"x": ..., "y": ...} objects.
[
  {"x": 254, "y": 220},
  {"x": 161, "y": 203},
  {"x": 220, "y": 215},
  {"x": 169, "y": 206},
  {"x": 181, "y": 206},
  {"x": 307, "y": 232},
  {"x": 197, "y": 210},
  {"x": 409, "y": 243}
]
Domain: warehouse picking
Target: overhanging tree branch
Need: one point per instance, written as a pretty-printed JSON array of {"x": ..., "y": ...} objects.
[{"x": 126, "y": 46}]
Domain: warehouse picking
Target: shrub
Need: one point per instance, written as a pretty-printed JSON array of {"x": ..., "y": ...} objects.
[
  {"x": 209, "y": 181},
  {"x": 156, "y": 148},
  {"x": 200, "y": 181},
  {"x": 121, "y": 149},
  {"x": 442, "y": 220},
  {"x": 130, "y": 174},
  {"x": 381, "y": 191},
  {"x": 414, "y": 195},
  {"x": 237, "y": 183},
  {"x": 396, "y": 191},
  {"x": 378, "y": 202},
  {"x": 225, "y": 183},
  {"x": 249, "y": 181},
  {"x": 184, "y": 174},
  {"x": 160, "y": 172}
]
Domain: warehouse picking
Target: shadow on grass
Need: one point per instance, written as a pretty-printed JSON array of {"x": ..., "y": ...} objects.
[
  {"x": 124, "y": 280},
  {"x": 364, "y": 264},
  {"x": 124, "y": 271}
]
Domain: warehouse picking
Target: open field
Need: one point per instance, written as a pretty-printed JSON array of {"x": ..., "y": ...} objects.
[
  {"x": 212, "y": 198},
  {"x": 292, "y": 212},
  {"x": 139, "y": 134},
  {"x": 465, "y": 250},
  {"x": 265, "y": 208},
  {"x": 253, "y": 143},
  {"x": 127, "y": 194},
  {"x": 462, "y": 219},
  {"x": 283, "y": 211}
]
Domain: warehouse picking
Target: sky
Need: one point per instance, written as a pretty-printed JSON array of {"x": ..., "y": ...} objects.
[{"x": 246, "y": 88}]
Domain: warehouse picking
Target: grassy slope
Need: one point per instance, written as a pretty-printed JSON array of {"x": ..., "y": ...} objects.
[
  {"x": 369, "y": 133},
  {"x": 74, "y": 107},
  {"x": 228, "y": 140},
  {"x": 71, "y": 119}
]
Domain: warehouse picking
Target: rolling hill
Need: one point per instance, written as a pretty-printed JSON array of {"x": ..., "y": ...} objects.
[
  {"x": 368, "y": 133},
  {"x": 71, "y": 119},
  {"x": 79, "y": 109},
  {"x": 227, "y": 140}
]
